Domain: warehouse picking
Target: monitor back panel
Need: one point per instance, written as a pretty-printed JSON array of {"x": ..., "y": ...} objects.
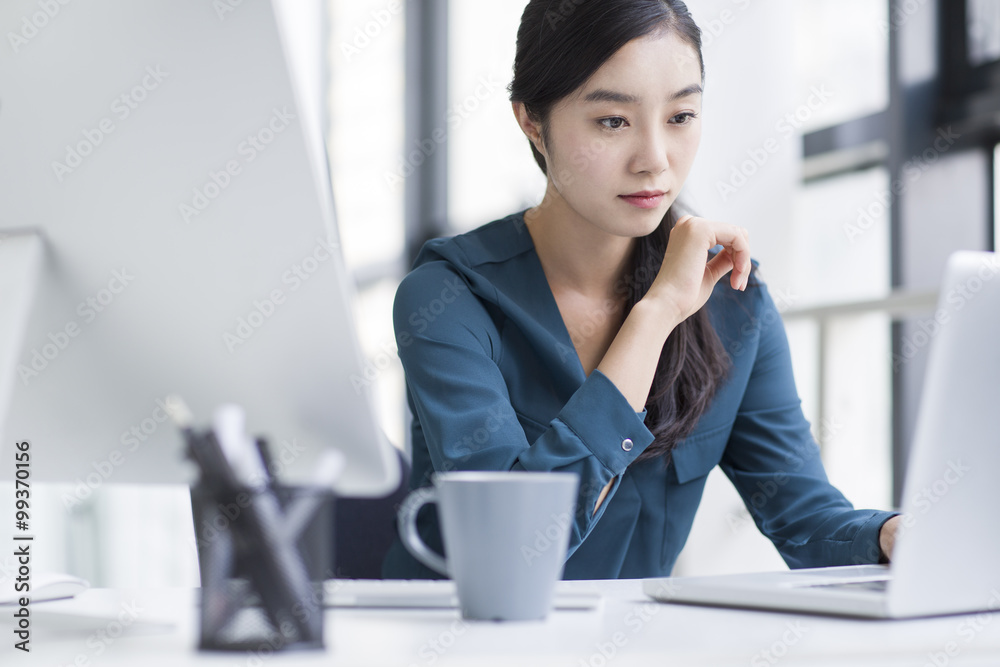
[{"x": 158, "y": 147}]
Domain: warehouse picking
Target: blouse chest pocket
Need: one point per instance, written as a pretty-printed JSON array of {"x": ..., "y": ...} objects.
[{"x": 697, "y": 454}]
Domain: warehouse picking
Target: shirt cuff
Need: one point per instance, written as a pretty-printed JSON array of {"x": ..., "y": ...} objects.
[
  {"x": 865, "y": 548},
  {"x": 605, "y": 422}
]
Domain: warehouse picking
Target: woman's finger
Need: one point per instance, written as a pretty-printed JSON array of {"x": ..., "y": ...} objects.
[
  {"x": 719, "y": 266},
  {"x": 736, "y": 241}
]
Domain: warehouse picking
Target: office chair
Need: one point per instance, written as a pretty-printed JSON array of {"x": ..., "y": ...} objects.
[{"x": 364, "y": 528}]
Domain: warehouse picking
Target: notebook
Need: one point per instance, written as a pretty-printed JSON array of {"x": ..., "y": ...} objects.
[{"x": 945, "y": 559}]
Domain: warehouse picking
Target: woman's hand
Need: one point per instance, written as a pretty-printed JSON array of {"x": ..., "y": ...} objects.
[
  {"x": 682, "y": 286},
  {"x": 887, "y": 535},
  {"x": 686, "y": 280}
]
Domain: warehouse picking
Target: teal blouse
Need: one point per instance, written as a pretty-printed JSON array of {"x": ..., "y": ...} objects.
[{"x": 494, "y": 383}]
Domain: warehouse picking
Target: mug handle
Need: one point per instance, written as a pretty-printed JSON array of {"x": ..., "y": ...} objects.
[{"x": 407, "y": 518}]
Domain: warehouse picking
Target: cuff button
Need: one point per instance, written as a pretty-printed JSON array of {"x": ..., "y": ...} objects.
[{"x": 627, "y": 444}]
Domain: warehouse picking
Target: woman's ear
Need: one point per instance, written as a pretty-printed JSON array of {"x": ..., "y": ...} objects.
[{"x": 531, "y": 128}]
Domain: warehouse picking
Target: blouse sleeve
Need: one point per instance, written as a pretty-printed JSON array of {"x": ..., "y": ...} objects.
[
  {"x": 774, "y": 463},
  {"x": 450, "y": 348}
]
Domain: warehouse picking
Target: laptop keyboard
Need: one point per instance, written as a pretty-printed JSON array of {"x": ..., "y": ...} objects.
[{"x": 430, "y": 594}]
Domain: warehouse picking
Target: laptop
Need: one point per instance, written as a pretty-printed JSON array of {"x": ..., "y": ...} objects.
[{"x": 946, "y": 559}]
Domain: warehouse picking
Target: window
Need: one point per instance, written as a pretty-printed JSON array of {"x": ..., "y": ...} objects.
[
  {"x": 366, "y": 130},
  {"x": 369, "y": 166},
  {"x": 841, "y": 245},
  {"x": 841, "y": 239},
  {"x": 970, "y": 66},
  {"x": 983, "y": 24},
  {"x": 842, "y": 47},
  {"x": 842, "y": 250}
]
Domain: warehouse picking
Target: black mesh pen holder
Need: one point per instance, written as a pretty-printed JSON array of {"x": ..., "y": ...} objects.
[{"x": 262, "y": 593}]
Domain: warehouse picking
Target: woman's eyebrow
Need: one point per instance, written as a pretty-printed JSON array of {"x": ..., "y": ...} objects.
[
  {"x": 693, "y": 89},
  {"x": 605, "y": 95}
]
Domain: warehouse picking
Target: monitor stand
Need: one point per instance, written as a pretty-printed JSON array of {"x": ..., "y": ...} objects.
[{"x": 20, "y": 264}]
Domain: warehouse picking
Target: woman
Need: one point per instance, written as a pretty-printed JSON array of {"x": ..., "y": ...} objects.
[{"x": 590, "y": 334}]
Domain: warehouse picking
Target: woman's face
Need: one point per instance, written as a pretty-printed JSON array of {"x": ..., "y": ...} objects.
[{"x": 619, "y": 149}]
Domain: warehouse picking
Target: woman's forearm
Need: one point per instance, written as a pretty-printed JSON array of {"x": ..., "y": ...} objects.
[{"x": 631, "y": 360}]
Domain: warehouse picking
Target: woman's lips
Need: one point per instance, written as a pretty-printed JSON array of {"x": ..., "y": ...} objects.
[{"x": 644, "y": 199}]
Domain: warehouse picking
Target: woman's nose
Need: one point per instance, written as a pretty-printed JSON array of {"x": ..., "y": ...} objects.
[{"x": 651, "y": 152}]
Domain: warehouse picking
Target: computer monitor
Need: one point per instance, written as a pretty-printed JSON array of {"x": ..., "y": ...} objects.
[{"x": 164, "y": 230}]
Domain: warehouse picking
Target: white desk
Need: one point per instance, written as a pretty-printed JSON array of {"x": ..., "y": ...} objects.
[{"x": 626, "y": 629}]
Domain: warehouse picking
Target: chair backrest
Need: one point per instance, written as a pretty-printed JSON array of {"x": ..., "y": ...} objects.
[{"x": 364, "y": 528}]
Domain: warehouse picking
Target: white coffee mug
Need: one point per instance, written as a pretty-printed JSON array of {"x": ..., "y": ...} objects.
[{"x": 505, "y": 536}]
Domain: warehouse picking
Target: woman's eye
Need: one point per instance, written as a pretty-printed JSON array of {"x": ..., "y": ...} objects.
[
  {"x": 683, "y": 118},
  {"x": 613, "y": 123}
]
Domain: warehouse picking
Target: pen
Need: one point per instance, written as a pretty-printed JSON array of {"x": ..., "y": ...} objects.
[{"x": 202, "y": 448}]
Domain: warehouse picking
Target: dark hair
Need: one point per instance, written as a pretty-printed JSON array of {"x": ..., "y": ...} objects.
[{"x": 560, "y": 44}]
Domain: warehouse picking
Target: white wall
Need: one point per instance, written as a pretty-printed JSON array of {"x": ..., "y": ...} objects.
[
  {"x": 749, "y": 89},
  {"x": 491, "y": 171}
]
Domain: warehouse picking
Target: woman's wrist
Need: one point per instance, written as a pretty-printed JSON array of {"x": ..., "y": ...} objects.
[
  {"x": 662, "y": 309},
  {"x": 631, "y": 360}
]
